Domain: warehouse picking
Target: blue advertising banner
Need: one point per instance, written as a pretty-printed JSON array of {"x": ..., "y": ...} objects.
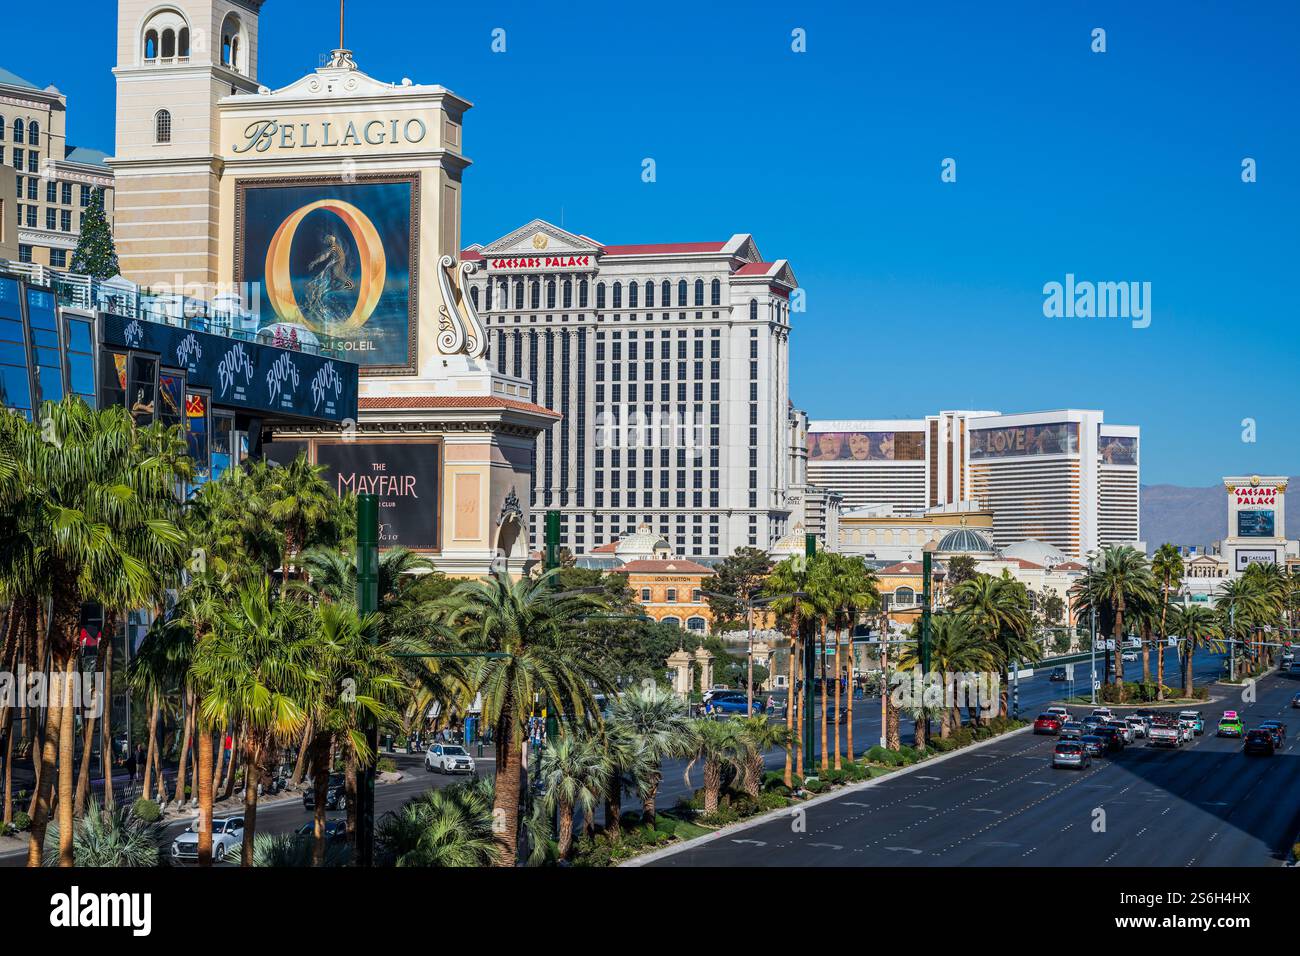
[
  {"x": 245, "y": 375},
  {"x": 1255, "y": 524}
]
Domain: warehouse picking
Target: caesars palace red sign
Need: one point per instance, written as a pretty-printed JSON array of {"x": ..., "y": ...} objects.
[
  {"x": 541, "y": 262},
  {"x": 1256, "y": 496}
]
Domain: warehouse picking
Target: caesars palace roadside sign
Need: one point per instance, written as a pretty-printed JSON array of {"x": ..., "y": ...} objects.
[{"x": 263, "y": 134}]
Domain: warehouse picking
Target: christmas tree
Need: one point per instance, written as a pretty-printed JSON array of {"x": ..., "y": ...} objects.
[
  {"x": 293, "y": 339},
  {"x": 96, "y": 256}
]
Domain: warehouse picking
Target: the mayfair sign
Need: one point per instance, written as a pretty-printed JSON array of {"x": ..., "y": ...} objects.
[{"x": 261, "y": 135}]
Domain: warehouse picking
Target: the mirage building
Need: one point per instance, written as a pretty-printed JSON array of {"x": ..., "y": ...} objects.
[{"x": 1066, "y": 478}]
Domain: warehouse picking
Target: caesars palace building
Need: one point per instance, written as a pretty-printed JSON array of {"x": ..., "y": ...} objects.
[{"x": 545, "y": 370}]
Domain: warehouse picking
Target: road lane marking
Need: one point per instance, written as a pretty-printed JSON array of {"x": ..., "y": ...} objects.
[{"x": 903, "y": 849}]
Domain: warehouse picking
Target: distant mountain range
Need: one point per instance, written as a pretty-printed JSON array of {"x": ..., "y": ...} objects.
[{"x": 1187, "y": 516}]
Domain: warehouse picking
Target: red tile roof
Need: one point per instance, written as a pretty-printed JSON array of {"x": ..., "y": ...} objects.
[
  {"x": 1028, "y": 565},
  {"x": 902, "y": 567},
  {"x": 606, "y": 548},
  {"x": 471, "y": 255},
  {"x": 755, "y": 269},
  {"x": 653, "y": 248},
  {"x": 375, "y": 403},
  {"x": 671, "y": 566},
  {"x": 1069, "y": 566}
]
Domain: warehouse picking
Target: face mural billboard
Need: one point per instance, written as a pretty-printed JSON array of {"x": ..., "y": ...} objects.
[
  {"x": 334, "y": 263},
  {"x": 866, "y": 446}
]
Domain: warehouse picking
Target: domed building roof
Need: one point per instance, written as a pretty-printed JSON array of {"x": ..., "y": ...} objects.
[
  {"x": 644, "y": 545},
  {"x": 964, "y": 541},
  {"x": 1036, "y": 552}
]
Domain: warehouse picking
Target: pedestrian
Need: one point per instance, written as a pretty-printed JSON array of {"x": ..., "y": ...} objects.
[{"x": 130, "y": 767}]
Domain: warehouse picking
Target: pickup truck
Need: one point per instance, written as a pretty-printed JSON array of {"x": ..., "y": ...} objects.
[{"x": 1164, "y": 735}]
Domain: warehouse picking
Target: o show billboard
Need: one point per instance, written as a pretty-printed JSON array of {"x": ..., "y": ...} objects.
[{"x": 335, "y": 260}]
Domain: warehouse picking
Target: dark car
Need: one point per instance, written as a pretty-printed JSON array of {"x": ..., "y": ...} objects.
[
  {"x": 1295, "y": 701},
  {"x": 336, "y": 796},
  {"x": 1278, "y": 730},
  {"x": 1113, "y": 739},
  {"x": 334, "y": 830},
  {"x": 1093, "y": 745},
  {"x": 1091, "y": 723},
  {"x": 1259, "y": 742},
  {"x": 1058, "y": 675}
]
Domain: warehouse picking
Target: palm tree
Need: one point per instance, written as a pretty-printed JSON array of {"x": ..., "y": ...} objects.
[
  {"x": 756, "y": 736},
  {"x": 1168, "y": 569},
  {"x": 1198, "y": 627},
  {"x": 96, "y": 520},
  {"x": 1241, "y": 604},
  {"x": 1123, "y": 578},
  {"x": 855, "y": 591},
  {"x": 535, "y": 632},
  {"x": 452, "y": 826},
  {"x": 116, "y": 838},
  {"x": 996, "y": 610},
  {"x": 954, "y": 649},
  {"x": 300, "y": 501},
  {"x": 574, "y": 773},
  {"x": 787, "y": 583},
  {"x": 659, "y": 720},
  {"x": 255, "y": 671},
  {"x": 716, "y": 746}
]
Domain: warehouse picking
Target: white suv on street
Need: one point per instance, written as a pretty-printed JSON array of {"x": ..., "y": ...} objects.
[
  {"x": 227, "y": 838},
  {"x": 448, "y": 758}
]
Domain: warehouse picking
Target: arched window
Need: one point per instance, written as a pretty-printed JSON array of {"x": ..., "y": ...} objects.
[
  {"x": 234, "y": 53},
  {"x": 695, "y": 624},
  {"x": 753, "y": 310},
  {"x": 535, "y": 295},
  {"x": 681, "y": 292},
  {"x": 151, "y": 45},
  {"x": 183, "y": 47},
  {"x": 649, "y": 295},
  {"x": 162, "y": 127},
  {"x": 487, "y": 296},
  {"x": 674, "y": 621},
  {"x": 633, "y": 290},
  {"x": 568, "y": 293},
  {"x": 904, "y": 595},
  {"x": 519, "y": 294},
  {"x": 582, "y": 294},
  {"x": 600, "y": 295},
  {"x": 168, "y": 44},
  {"x": 618, "y": 295},
  {"x": 715, "y": 294},
  {"x": 34, "y": 133},
  {"x": 550, "y": 293},
  {"x": 20, "y": 131},
  {"x": 473, "y": 294},
  {"x": 666, "y": 296},
  {"x": 699, "y": 292}
]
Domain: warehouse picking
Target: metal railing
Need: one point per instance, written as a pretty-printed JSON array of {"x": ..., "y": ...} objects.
[{"x": 224, "y": 315}]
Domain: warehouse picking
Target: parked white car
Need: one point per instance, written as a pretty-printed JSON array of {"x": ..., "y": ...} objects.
[
  {"x": 1062, "y": 712},
  {"x": 227, "y": 839},
  {"x": 448, "y": 758}
]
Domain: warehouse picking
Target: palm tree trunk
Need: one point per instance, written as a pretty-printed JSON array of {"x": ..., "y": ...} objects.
[
  {"x": 320, "y": 762},
  {"x": 252, "y": 774},
  {"x": 40, "y": 812},
  {"x": 182, "y": 767},
  {"x": 205, "y": 782},
  {"x": 754, "y": 775},
  {"x": 67, "y": 762},
  {"x": 651, "y": 797},
  {"x": 9, "y": 768},
  {"x": 566, "y": 830},
  {"x": 219, "y": 756},
  {"x": 505, "y": 801},
  {"x": 826, "y": 701},
  {"x": 233, "y": 766},
  {"x": 88, "y": 739},
  {"x": 1146, "y": 650},
  {"x": 152, "y": 750},
  {"x": 712, "y": 784},
  {"x": 300, "y": 766},
  {"x": 613, "y": 823},
  {"x": 1119, "y": 646},
  {"x": 352, "y": 767},
  {"x": 106, "y": 719},
  {"x": 790, "y": 695},
  {"x": 838, "y": 765},
  {"x": 852, "y": 682},
  {"x": 1189, "y": 653}
]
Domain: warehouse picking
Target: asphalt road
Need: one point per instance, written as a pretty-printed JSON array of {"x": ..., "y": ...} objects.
[{"x": 1206, "y": 804}]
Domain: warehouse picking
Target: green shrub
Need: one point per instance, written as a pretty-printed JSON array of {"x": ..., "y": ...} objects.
[
  {"x": 720, "y": 817},
  {"x": 942, "y": 745},
  {"x": 386, "y": 765},
  {"x": 814, "y": 785},
  {"x": 772, "y": 800},
  {"x": 21, "y": 821},
  {"x": 147, "y": 810},
  {"x": 909, "y": 754},
  {"x": 1201, "y": 693},
  {"x": 982, "y": 732},
  {"x": 665, "y": 825}
]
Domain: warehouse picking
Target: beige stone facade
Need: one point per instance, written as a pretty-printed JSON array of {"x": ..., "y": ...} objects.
[{"x": 48, "y": 182}]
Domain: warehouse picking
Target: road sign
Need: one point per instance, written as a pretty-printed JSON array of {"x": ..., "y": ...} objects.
[
  {"x": 1173, "y": 642},
  {"x": 1096, "y": 685},
  {"x": 1069, "y": 672},
  {"x": 1110, "y": 644}
]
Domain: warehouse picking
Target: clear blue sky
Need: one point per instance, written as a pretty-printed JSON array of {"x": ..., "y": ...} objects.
[{"x": 921, "y": 295}]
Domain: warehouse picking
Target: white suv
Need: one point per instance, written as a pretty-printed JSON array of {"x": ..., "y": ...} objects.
[
  {"x": 448, "y": 758},
  {"x": 227, "y": 838}
]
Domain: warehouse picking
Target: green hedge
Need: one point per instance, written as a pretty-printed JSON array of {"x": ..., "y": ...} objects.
[{"x": 147, "y": 810}]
